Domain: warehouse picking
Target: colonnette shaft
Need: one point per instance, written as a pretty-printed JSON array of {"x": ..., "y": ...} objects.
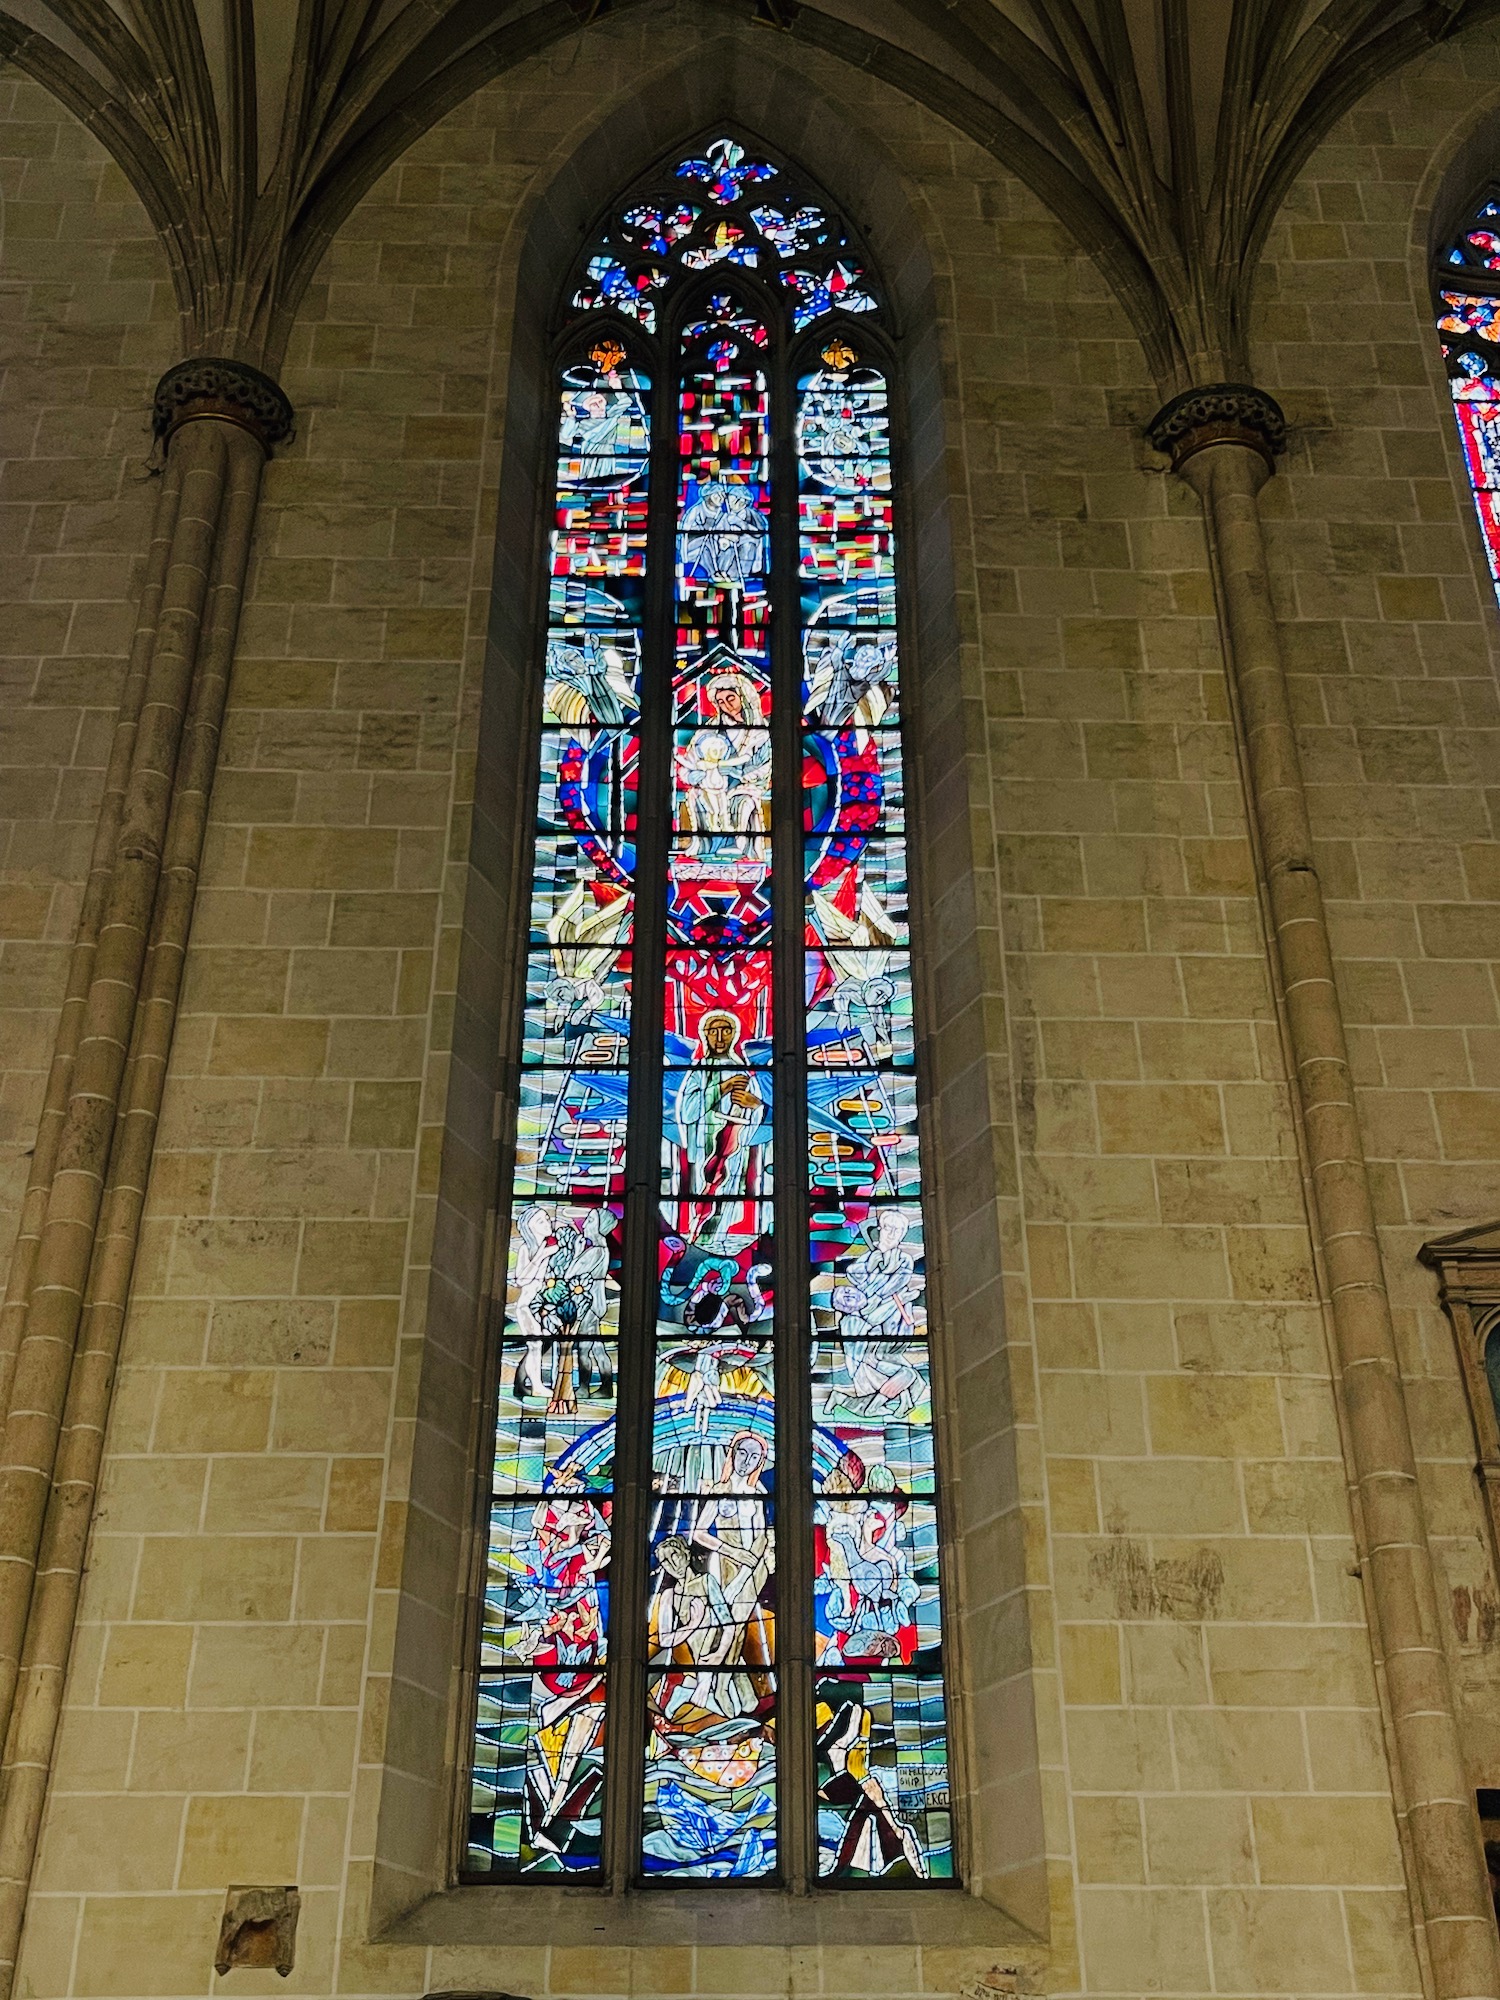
[
  {"x": 1222, "y": 440},
  {"x": 70, "y": 1277}
]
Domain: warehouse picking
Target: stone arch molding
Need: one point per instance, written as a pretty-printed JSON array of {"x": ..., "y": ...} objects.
[
  {"x": 758, "y": 96},
  {"x": 1463, "y": 164},
  {"x": 1164, "y": 138}
]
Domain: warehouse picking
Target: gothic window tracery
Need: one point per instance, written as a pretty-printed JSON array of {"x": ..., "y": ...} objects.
[
  {"x": 1467, "y": 285},
  {"x": 712, "y": 1628},
  {"x": 1467, "y": 1263}
]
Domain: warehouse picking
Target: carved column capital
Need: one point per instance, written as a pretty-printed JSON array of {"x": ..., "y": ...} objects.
[
  {"x": 1219, "y": 413},
  {"x": 214, "y": 386}
]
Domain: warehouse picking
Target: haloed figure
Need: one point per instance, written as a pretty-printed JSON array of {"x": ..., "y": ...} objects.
[{"x": 719, "y": 1109}]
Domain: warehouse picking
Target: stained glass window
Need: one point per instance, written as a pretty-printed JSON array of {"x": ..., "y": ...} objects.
[
  {"x": 1467, "y": 282},
  {"x": 712, "y": 1640}
]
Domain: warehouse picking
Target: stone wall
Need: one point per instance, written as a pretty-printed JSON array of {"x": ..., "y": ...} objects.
[
  {"x": 1227, "y": 1796},
  {"x": 1392, "y": 637},
  {"x": 257, "y": 1443},
  {"x": 1152, "y": 1474},
  {"x": 87, "y": 323}
]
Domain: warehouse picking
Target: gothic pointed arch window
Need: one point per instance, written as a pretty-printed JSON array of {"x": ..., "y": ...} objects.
[
  {"x": 1467, "y": 286},
  {"x": 712, "y": 1626}
]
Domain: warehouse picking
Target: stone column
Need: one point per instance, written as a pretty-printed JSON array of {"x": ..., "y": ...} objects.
[
  {"x": 218, "y": 421},
  {"x": 1222, "y": 440}
]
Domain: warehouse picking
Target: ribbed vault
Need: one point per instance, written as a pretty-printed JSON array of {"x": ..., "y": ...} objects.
[{"x": 1164, "y": 133}]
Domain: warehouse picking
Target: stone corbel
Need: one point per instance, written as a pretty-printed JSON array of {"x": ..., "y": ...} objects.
[
  {"x": 1221, "y": 413},
  {"x": 212, "y": 385}
]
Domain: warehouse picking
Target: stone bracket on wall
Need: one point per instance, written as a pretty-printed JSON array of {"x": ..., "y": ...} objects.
[
  {"x": 212, "y": 385},
  {"x": 259, "y": 1930},
  {"x": 1219, "y": 413}
]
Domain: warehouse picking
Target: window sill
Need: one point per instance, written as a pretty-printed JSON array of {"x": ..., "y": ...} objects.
[{"x": 719, "y": 1915}]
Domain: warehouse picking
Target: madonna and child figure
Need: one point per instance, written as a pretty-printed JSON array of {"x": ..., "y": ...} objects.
[{"x": 724, "y": 768}]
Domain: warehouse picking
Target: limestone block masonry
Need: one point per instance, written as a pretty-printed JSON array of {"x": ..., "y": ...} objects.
[{"x": 1208, "y": 901}]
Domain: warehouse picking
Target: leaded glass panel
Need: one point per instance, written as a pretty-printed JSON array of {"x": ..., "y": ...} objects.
[
  {"x": 1468, "y": 317},
  {"x": 729, "y": 1666}
]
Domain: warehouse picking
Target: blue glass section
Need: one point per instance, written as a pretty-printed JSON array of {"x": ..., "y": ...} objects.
[
  {"x": 710, "y": 1794},
  {"x": 538, "y": 1767}
]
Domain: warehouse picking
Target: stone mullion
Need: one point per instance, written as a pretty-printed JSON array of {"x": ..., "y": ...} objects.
[
  {"x": 1222, "y": 440},
  {"x": 81, "y": 963}
]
